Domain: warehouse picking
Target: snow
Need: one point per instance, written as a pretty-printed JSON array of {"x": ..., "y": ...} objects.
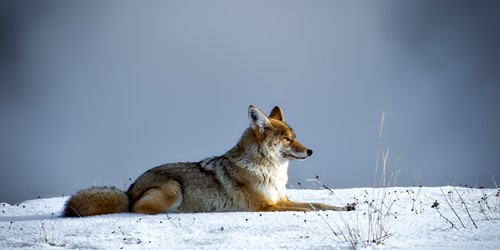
[{"x": 396, "y": 217}]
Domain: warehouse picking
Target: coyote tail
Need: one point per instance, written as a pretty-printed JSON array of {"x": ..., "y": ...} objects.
[{"x": 97, "y": 200}]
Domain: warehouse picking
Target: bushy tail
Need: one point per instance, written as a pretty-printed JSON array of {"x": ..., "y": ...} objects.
[{"x": 95, "y": 201}]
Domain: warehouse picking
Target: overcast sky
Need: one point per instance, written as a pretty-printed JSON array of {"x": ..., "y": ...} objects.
[{"x": 97, "y": 92}]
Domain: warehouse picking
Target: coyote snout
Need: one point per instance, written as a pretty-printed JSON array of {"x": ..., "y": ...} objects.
[{"x": 293, "y": 155}]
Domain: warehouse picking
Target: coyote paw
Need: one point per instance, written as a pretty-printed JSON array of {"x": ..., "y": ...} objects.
[{"x": 350, "y": 207}]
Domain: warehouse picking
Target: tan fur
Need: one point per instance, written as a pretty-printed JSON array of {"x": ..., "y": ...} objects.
[
  {"x": 250, "y": 177},
  {"x": 97, "y": 200}
]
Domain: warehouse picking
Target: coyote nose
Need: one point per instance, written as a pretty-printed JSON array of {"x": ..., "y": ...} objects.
[{"x": 309, "y": 152}]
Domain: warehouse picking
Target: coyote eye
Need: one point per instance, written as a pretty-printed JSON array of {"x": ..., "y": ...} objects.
[{"x": 288, "y": 139}]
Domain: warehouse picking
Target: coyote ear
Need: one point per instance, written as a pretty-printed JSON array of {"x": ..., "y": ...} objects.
[
  {"x": 257, "y": 118},
  {"x": 277, "y": 114}
]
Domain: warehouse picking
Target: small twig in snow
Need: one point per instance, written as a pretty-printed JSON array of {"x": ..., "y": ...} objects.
[
  {"x": 465, "y": 205},
  {"x": 452, "y": 209}
]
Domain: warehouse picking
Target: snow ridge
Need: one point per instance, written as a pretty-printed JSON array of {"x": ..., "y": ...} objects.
[{"x": 416, "y": 218}]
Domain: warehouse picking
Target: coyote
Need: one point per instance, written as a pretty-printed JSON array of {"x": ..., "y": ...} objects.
[{"x": 251, "y": 176}]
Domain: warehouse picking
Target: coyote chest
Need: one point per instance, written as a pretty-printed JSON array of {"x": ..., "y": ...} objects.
[
  {"x": 234, "y": 183},
  {"x": 272, "y": 183}
]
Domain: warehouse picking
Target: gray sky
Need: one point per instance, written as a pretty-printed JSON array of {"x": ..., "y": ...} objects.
[{"x": 95, "y": 93}]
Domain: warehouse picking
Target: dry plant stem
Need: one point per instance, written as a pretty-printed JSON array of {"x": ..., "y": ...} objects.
[
  {"x": 465, "y": 205},
  {"x": 320, "y": 183},
  {"x": 378, "y": 219},
  {"x": 354, "y": 237},
  {"x": 46, "y": 240},
  {"x": 341, "y": 237},
  {"x": 378, "y": 147},
  {"x": 440, "y": 214},
  {"x": 384, "y": 167},
  {"x": 333, "y": 231},
  {"x": 485, "y": 198},
  {"x": 452, "y": 209},
  {"x": 379, "y": 213},
  {"x": 493, "y": 179}
]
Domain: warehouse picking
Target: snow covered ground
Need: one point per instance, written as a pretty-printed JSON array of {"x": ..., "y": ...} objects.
[{"x": 396, "y": 217}]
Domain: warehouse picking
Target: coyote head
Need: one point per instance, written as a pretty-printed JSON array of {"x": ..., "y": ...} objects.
[{"x": 274, "y": 137}]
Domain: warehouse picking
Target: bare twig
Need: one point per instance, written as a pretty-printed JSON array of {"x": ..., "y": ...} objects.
[
  {"x": 452, "y": 209},
  {"x": 465, "y": 205},
  {"x": 320, "y": 183},
  {"x": 436, "y": 206},
  {"x": 343, "y": 239},
  {"x": 378, "y": 147},
  {"x": 493, "y": 179}
]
